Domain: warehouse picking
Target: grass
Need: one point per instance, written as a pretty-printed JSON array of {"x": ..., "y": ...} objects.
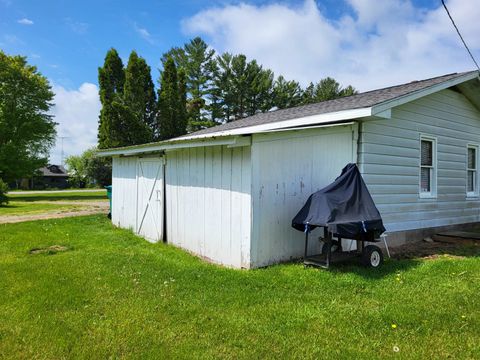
[
  {"x": 64, "y": 196},
  {"x": 30, "y": 208},
  {"x": 114, "y": 295}
]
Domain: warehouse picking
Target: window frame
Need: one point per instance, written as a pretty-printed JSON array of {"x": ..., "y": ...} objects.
[
  {"x": 475, "y": 193},
  {"x": 433, "y": 168}
]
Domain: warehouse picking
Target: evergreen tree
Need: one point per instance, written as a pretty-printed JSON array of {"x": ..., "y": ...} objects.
[
  {"x": 327, "y": 89},
  {"x": 240, "y": 85},
  {"x": 170, "y": 98},
  {"x": 197, "y": 60},
  {"x": 286, "y": 93},
  {"x": 111, "y": 79},
  {"x": 223, "y": 88},
  {"x": 182, "y": 106},
  {"x": 348, "y": 91},
  {"x": 139, "y": 96},
  {"x": 308, "y": 95},
  {"x": 260, "y": 87}
]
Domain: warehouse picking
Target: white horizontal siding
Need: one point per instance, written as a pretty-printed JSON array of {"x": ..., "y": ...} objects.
[
  {"x": 389, "y": 158},
  {"x": 208, "y": 202},
  {"x": 124, "y": 192},
  {"x": 286, "y": 169}
]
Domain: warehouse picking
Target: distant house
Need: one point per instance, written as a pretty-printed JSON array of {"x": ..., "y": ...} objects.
[
  {"x": 229, "y": 193},
  {"x": 50, "y": 176}
]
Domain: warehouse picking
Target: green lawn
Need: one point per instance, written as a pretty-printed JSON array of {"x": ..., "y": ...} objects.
[
  {"x": 114, "y": 295},
  {"x": 64, "y": 195},
  {"x": 30, "y": 208}
]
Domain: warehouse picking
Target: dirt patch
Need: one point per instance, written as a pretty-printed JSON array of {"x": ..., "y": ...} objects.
[
  {"x": 87, "y": 208},
  {"x": 434, "y": 250},
  {"x": 51, "y": 250}
]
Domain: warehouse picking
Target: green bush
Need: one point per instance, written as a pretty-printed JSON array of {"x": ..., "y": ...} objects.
[{"x": 3, "y": 193}]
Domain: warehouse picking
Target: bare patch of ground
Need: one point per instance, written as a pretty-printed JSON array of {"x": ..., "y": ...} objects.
[
  {"x": 434, "y": 250},
  {"x": 50, "y": 250},
  {"x": 87, "y": 208}
]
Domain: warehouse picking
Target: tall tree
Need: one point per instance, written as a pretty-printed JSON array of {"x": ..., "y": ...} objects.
[
  {"x": 197, "y": 60},
  {"x": 27, "y": 131},
  {"x": 139, "y": 96},
  {"x": 223, "y": 88},
  {"x": 182, "y": 105},
  {"x": 308, "y": 95},
  {"x": 326, "y": 89},
  {"x": 170, "y": 107},
  {"x": 260, "y": 88},
  {"x": 111, "y": 80},
  {"x": 286, "y": 93},
  {"x": 348, "y": 91}
]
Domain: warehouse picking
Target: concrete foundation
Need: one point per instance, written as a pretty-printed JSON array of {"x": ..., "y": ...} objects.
[{"x": 398, "y": 238}]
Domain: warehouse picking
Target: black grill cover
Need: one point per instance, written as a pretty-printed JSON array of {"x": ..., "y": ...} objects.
[{"x": 345, "y": 207}]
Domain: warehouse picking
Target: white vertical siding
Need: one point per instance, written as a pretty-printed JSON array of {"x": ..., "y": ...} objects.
[
  {"x": 124, "y": 192},
  {"x": 389, "y": 158},
  {"x": 208, "y": 202},
  {"x": 287, "y": 167}
]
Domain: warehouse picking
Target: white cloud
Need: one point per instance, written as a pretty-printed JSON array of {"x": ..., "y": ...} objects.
[
  {"x": 144, "y": 33},
  {"x": 77, "y": 113},
  {"x": 25, "y": 21},
  {"x": 77, "y": 26},
  {"x": 384, "y": 43}
]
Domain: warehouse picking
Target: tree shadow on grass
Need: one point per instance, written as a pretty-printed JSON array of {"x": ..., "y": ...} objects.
[{"x": 9, "y": 206}]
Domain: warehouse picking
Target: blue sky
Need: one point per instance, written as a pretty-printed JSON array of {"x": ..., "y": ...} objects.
[
  {"x": 366, "y": 43},
  {"x": 67, "y": 40}
]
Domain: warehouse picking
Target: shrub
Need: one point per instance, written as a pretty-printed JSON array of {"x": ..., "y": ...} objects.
[{"x": 3, "y": 193}]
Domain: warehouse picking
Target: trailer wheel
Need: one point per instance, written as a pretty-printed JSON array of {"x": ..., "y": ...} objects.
[
  {"x": 372, "y": 256},
  {"x": 335, "y": 247}
]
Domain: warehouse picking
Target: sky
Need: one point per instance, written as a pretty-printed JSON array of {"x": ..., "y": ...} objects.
[{"x": 365, "y": 43}]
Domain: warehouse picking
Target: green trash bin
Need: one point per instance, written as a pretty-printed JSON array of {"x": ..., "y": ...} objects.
[{"x": 109, "y": 194}]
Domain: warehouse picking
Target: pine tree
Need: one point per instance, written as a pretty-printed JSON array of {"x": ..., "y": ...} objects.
[
  {"x": 139, "y": 97},
  {"x": 223, "y": 87},
  {"x": 286, "y": 93},
  {"x": 170, "y": 99},
  {"x": 308, "y": 95},
  {"x": 327, "y": 89},
  {"x": 197, "y": 60},
  {"x": 182, "y": 105},
  {"x": 260, "y": 87},
  {"x": 348, "y": 91},
  {"x": 111, "y": 79}
]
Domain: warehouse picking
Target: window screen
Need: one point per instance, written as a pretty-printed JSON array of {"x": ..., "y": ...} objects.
[
  {"x": 472, "y": 170},
  {"x": 427, "y": 171},
  {"x": 427, "y": 153},
  {"x": 425, "y": 180}
]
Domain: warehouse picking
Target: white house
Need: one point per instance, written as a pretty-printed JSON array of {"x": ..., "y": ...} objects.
[{"x": 229, "y": 193}]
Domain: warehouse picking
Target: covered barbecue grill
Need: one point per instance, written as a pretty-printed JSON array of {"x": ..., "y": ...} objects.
[{"x": 345, "y": 209}]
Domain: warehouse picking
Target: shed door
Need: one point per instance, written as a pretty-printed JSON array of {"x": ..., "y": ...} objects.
[{"x": 150, "y": 199}]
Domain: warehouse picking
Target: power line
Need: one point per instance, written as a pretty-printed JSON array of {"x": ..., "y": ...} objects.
[{"x": 458, "y": 32}]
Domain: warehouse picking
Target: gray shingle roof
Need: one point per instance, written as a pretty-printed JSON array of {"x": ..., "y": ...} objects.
[
  {"x": 53, "y": 170},
  {"x": 362, "y": 100}
]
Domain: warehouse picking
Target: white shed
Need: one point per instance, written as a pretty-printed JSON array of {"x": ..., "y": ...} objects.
[{"x": 229, "y": 193}]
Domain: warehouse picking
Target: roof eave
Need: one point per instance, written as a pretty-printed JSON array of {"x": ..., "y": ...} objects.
[
  {"x": 234, "y": 137},
  {"x": 388, "y": 105}
]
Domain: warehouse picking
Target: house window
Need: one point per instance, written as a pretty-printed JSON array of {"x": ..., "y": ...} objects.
[
  {"x": 472, "y": 182},
  {"x": 427, "y": 167}
]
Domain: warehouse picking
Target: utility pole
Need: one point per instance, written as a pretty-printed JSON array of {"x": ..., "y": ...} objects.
[{"x": 62, "y": 154}]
